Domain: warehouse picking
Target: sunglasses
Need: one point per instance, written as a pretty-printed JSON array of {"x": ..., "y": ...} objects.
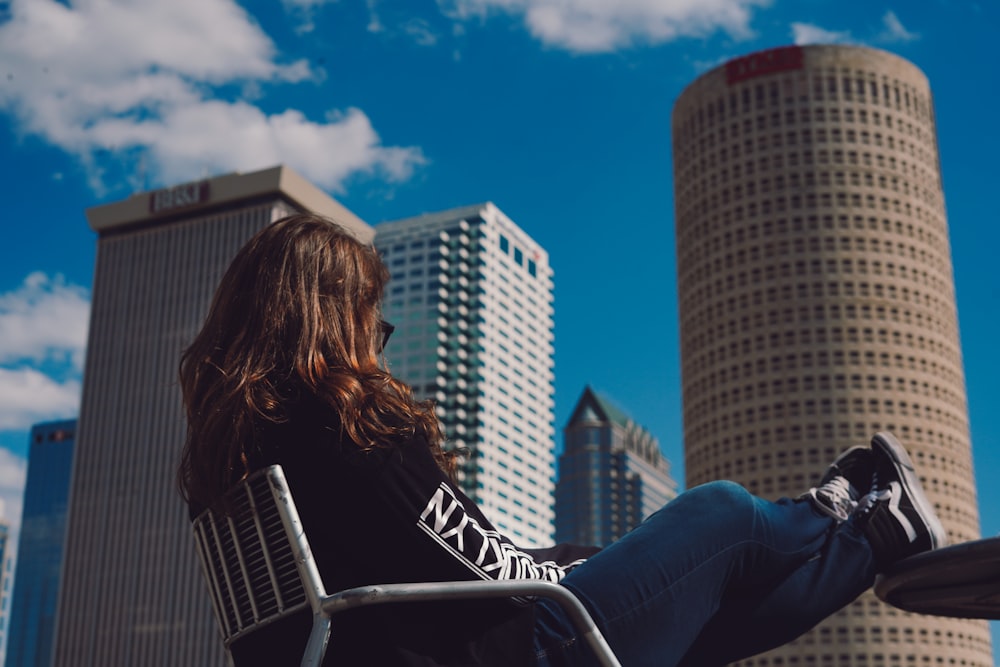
[{"x": 387, "y": 330}]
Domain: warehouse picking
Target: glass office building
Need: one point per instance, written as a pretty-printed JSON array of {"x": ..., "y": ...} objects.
[
  {"x": 471, "y": 298},
  {"x": 41, "y": 545},
  {"x": 612, "y": 474}
]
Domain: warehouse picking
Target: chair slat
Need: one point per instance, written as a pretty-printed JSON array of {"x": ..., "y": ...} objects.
[
  {"x": 246, "y": 589},
  {"x": 211, "y": 573},
  {"x": 266, "y": 535}
]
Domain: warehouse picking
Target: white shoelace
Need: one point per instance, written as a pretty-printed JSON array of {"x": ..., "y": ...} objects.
[{"x": 838, "y": 492}]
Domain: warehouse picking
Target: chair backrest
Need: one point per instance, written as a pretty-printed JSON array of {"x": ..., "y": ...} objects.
[
  {"x": 259, "y": 569},
  {"x": 249, "y": 552}
]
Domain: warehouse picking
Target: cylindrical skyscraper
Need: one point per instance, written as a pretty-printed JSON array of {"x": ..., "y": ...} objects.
[{"x": 817, "y": 304}]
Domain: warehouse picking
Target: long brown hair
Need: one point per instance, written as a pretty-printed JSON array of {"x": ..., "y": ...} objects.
[{"x": 297, "y": 313}]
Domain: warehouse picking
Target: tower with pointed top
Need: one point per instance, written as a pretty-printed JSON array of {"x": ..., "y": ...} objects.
[{"x": 612, "y": 474}]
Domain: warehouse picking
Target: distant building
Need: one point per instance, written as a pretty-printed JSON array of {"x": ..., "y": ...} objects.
[
  {"x": 132, "y": 591},
  {"x": 41, "y": 545},
  {"x": 6, "y": 582},
  {"x": 471, "y": 298},
  {"x": 817, "y": 305},
  {"x": 612, "y": 474}
]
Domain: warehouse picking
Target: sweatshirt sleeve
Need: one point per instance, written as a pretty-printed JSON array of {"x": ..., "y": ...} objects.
[
  {"x": 458, "y": 531},
  {"x": 466, "y": 536}
]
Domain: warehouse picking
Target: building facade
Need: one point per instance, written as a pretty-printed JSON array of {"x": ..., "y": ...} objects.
[
  {"x": 41, "y": 545},
  {"x": 6, "y": 583},
  {"x": 471, "y": 299},
  {"x": 612, "y": 474},
  {"x": 817, "y": 304},
  {"x": 132, "y": 592}
]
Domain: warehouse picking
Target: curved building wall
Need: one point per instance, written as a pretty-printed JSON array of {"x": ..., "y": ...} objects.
[{"x": 817, "y": 304}]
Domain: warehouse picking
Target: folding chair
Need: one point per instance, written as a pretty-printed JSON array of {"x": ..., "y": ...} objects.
[{"x": 258, "y": 567}]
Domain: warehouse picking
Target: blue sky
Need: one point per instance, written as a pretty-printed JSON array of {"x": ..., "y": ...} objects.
[{"x": 556, "y": 110}]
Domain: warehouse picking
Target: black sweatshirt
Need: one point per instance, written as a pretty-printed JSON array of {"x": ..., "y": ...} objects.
[{"x": 387, "y": 516}]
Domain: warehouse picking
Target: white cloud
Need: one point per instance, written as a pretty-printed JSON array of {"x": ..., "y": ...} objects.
[
  {"x": 43, "y": 335},
  {"x": 805, "y": 33},
  {"x": 45, "y": 319},
  {"x": 374, "y": 22},
  {"x": 591, "y": 26},
  {"x": 420, "y": 32},
  {"x": 304, "y": 12},
  {"x": 110, "y": 80},
  {"x": 226, "y": 136},
  {"x": 13, "y": 471},
  {"x": 416, "y": 30},
  {"x": 894, "y": 30},
  {"x": 305, "y": 4},
  {"x": 28, "y": 396}
]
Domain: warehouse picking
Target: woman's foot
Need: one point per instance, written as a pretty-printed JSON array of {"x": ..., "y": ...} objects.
[
  {"x": 895, "y": 515},
  {"x": 846, "y": 481}
]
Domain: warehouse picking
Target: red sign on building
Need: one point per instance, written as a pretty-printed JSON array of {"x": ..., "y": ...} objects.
[{"x": 764, "y": 62}]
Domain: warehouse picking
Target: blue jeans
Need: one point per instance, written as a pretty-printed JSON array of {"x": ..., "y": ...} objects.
[{"x": 714, "y": 576}]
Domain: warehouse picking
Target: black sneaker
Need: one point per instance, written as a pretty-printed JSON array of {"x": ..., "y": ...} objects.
[
  {"x": 845, "y": 482},
  {"x": 896, "y": 516}
]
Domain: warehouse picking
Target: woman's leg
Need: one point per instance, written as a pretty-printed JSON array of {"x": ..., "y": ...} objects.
[
  {"x": 714, "y": 548},
  {"x": 819, "y": 587}
]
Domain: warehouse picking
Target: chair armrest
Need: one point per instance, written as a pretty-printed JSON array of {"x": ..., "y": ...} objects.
[{"x": 468, "y": 590}]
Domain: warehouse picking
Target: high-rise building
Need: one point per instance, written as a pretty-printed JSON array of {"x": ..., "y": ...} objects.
[
  {"x": 817, "y": 304},
  {"x": 6, "y": 582},
  {"x": 132, "y": 592},
  {"x": 612, "y": 474},
  {"x": 471, "y": 298},
  {"x": 41, "y": 545}
]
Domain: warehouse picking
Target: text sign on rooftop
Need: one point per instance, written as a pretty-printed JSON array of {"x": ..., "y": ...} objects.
[
  {"x": 180, "y": 196},
  {"x": 765, "y": 62}
]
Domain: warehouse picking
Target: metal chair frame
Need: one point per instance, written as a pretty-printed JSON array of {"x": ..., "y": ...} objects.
[{"x": 259, "y": 568}]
